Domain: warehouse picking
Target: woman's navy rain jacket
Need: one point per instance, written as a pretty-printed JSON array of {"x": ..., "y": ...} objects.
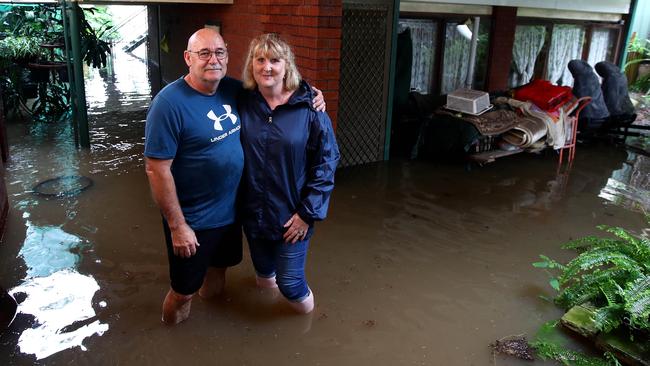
[{"x": 290, "y": 156}]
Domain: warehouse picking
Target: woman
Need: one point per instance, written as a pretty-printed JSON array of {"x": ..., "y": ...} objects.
[{"x": 290, "y": 156}]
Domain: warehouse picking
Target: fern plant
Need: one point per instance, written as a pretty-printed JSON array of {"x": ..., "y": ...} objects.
[{"x": 612, "y": 274}]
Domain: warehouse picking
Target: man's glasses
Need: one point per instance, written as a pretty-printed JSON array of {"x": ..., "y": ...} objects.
[{"x": 205, "y": 55}]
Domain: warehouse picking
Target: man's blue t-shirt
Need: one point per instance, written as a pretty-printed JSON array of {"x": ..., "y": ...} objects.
[{"x": 201, "y": 133}]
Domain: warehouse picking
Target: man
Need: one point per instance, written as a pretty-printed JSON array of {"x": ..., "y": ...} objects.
[{"x": 194, "y": 161}]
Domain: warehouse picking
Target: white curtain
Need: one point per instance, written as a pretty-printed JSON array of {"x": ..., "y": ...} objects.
[
  {"x": 601, "y": 42},
  {"x": 566, "y": 45},
  {"x": 529, "y": 40},
  {"x": 457, "y": 48},
  {"x": 423, "y": 36}
]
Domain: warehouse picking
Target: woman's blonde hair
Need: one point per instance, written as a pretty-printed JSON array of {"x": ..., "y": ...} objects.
[{"x": 270, "y": 45}]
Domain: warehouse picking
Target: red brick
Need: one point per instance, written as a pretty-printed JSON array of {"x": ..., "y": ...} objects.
[
  {"x": 334, "y": 65},
  {"x": 329, "y": 33},
  {"x": 330, "y": 11}
]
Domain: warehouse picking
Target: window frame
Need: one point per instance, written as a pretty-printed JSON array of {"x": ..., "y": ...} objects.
[{"x": 441, "y": 21}]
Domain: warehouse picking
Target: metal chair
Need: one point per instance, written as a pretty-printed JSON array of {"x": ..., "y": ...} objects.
[{"x": 575, "y": 107}]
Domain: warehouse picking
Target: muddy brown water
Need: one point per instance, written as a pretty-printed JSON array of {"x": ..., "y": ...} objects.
[{"x": 417, "y": 264}]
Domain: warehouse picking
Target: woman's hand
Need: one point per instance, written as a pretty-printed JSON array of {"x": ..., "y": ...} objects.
[
  {"x": 319, "y": 100},
  {"x": 297, "y": 230}
]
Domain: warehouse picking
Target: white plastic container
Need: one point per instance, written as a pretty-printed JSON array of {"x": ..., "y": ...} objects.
[{"x": 468, "y": 101}]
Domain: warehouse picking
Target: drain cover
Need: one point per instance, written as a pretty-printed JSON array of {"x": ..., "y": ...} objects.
[{"x": 67, "y": 186}]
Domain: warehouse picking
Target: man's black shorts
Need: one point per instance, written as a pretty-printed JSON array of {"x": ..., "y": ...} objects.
[{"x": 219, "y": 247}]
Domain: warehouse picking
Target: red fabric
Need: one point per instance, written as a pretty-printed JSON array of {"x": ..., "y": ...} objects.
[{"x": 543, "y": 94}]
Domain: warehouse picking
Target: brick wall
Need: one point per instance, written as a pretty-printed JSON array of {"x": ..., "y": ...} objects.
[
  {"x": 504, "y": 22},
  {"x": 312, "y": 27}
]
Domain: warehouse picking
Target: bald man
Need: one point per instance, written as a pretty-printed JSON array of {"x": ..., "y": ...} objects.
[{"x": 194, "y": 162}]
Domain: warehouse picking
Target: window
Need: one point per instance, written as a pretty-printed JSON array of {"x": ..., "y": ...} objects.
[
  {"x": 544, "y": 49},
  {"x": 441, "y": 49},
  {"x": 423, "y": 37},
  {"x": 601, "y": 47},
  {"x": 455, "y": 65}
]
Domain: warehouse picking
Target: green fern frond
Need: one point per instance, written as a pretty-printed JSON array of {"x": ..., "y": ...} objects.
[
  {"x": 608, "y": 318},
  {"x": 640, "y": 311},
  {"x": 637, "y": 285},
  {"x": 591, "y": 260},
  {"x": 587, "y": 288},
  {"x": 636, "y": 298},
  {"x": 625, "y": 235},
  {"x": 551, "y": 351},
  {"x": 590, "y": 242},
  {"x": 577, "y": 295},
  {"x": 611, "y": 292},
  {"x": 611, "y": 274}
]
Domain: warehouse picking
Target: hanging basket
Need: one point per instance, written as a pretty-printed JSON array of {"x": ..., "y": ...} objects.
[
  {"x": 29, "y": 90},
  {"x": 41, "y": 70}
]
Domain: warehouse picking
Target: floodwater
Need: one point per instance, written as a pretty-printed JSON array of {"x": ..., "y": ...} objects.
[{"x": 417, "y": 264}]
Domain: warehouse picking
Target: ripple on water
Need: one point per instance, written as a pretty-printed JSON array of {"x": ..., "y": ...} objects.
[{"x": 629, "y": 186}]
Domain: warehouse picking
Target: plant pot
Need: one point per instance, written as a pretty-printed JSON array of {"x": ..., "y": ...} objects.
[
  {"x": 41, "y": 70},
  {"x": 29, "y": 90},
  {"x": 643, "y": 70},
  {"x": 63, "y": 74},
  {"x": 39, "y": 75}
]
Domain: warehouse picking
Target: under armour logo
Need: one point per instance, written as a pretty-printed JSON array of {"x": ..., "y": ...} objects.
[{"x": 217, "y": 120}]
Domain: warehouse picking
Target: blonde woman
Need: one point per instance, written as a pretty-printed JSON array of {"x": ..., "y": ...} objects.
[{"x": 290, "y": 157}]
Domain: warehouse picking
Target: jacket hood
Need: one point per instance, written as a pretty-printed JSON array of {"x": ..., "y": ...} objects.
[{"x": 303, "y": 94}]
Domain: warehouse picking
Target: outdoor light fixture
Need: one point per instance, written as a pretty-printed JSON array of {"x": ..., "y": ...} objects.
[{"x": 464, "y": 30}]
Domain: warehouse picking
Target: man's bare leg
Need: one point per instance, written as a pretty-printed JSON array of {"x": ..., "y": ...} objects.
[
  {"x": 176, "y": 307},
  {"x": 213, "y": 282}
]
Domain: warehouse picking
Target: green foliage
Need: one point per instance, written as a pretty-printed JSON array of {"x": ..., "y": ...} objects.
[
  {"x": 93, "y": 47},
  {"x": 550, "y": 344},
  {"x": 19, "y": 49},
  {"x": 612, "y": 274},
  {"x": 642, "y": 84},
  {"x": 639, "y": 46},
  {"x": 43, "y": 24},
  {"x": 552, "y": 351},
  {"x": 25, "y": 29}
]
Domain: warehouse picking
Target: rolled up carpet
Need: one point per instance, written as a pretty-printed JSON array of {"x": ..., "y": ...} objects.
[{"x": 526, "y": 132}]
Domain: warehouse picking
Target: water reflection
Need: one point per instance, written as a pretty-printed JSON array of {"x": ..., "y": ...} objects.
[
  {"x": 629, "y": 186},
  {"x": 59, "y": 297},
  {"x": 49, "y": 249},
  {"x": 56, "y": 295},
  {"x": 118, "y": 98},
  {"x": 58, "y": 302}
]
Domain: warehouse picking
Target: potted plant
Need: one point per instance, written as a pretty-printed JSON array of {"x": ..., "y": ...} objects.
[
  {"x": 606, "y": 290},
  {"x": 638, "y": 55},
  {"x": 20, "y": 50}
]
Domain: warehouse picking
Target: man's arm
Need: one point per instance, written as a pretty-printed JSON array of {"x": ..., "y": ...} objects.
[{"x": 163, "y": 190}]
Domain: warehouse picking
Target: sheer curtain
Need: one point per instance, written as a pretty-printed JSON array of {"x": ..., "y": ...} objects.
[
  {"x": 566, "y": 45},
  {"x": 457, "y": 48},
  {"x": 601, "y": 41},
  {"x": 423, "y": 35},
  {"x": 529, "y": 40}
]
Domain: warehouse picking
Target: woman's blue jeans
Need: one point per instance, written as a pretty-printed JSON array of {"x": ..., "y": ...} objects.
[{"x": 284, "y": 261}]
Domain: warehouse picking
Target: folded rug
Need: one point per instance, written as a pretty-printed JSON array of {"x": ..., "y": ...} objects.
[
  {"x": 490, "y": 123},
  {"x": 527, "y": 131}
]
